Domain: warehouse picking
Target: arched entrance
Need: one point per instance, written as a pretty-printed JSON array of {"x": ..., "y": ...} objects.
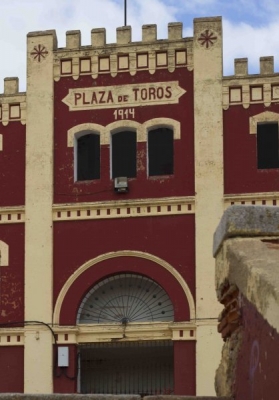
[
  {"x": 126, "y": 366},
  {"x": 165, "y": 330}
]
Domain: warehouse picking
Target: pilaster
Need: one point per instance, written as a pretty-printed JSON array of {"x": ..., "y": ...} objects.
[
  {"x": 207, "y": 53},
  {"x": 38, "y": 211}
]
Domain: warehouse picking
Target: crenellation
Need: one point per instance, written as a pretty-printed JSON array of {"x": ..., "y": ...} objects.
[
  {"x": 98, "y": 37},
  {"x": 124, "y": 55},
  {"x": 267, "y": 65},
  {"x": 149, "y": 33},
  {"x": 123, "y": 35},
  {"x": 175, "y": 30},
  {"x": 73, "y": 39},
  {"x": 50, "y": 32},
  {"x": 245, "y": 89},
  {"x": 241, "y": 66},
  {"x": 12, "y": 103},
  {"x": 11, "y": 85}
]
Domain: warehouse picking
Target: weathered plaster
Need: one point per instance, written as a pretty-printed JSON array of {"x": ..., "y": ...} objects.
[
  {"x": 38, "y": 213},
  {"x": 246, "y": 247},
  {"x": 209, "y": 189}
]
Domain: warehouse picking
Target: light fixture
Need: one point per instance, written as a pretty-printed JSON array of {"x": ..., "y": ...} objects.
[{"x": 121, "y": 184}]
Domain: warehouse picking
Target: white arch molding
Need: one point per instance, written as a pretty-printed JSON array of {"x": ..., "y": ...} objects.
[
  {"x": 88, "y": 127},
  {"x": 123, "y": 253},
  {"x": 161, "y": 123},
  {"x": 141, "y": 129},
  {"x": 266, "y": 116}
]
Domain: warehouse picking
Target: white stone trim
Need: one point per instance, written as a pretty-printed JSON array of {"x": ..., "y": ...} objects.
[
  {"x": 209, "y": 188},
  {"x": 78, "y": 130},
  {"x": 4, "y": 254},
  {"x": 117, "y": 126},
  {"x": 124, "y": 209},
  {"x": 92, "y": 333},
  {"x": 12, "y": 337},
  {"x": 38, "y": 211},
  {"x": 1, "y": 142},
  {"x": 11, "y": 100},
  {"x": 121, "y": 125},
  {"x": 266, "y": 116},
  {"x": 247, "y": 83},
  {"x": 123, "y": 253},
  {"x": 258, "y": 199},
  {"x": 163, "y": 123},
  {"x": 131, "y": 50},
  {"x": 12, "y": 215}
]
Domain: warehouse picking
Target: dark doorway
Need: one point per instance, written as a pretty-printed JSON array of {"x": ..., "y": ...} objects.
[{"x": 143, "y": 368}]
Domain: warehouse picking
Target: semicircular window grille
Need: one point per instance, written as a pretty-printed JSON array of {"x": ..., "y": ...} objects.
[{"x": 125, "y": 298}]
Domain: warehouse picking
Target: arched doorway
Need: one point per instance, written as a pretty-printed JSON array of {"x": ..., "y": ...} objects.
[{"x": 125, "y": 366}]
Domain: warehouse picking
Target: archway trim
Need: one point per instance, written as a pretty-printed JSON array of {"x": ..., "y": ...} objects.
[{"x": 122, "y": 253}]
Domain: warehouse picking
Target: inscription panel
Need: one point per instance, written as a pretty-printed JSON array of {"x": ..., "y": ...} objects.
[{"x": 119, "y": 96}]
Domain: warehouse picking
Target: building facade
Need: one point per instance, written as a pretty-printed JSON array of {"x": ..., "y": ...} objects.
[{"x": 116, "y": 166}]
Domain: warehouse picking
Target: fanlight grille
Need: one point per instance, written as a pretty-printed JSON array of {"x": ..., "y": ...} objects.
[{"x": 125, "y": 298}]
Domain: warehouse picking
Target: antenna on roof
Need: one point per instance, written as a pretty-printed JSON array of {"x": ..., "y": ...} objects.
[{"x": 125, "y": 12}]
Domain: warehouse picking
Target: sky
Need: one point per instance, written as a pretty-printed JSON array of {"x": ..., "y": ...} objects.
[{"x": 250, "y": 27}]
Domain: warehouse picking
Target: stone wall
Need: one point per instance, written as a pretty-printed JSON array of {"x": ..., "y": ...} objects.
[
  {"x": 100, "y": 397},
  {"x": 246, "y": 247}
]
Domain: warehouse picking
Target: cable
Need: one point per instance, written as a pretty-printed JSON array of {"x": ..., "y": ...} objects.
[{"x": 33, "y": 323}]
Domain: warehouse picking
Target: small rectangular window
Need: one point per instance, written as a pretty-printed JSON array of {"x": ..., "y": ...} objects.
[
  {"x": 268, "y": 145},
  {"x": 88, "y": 157},
  {"x": 124, "y": 154},
  {"x": 160, "y": 151}
]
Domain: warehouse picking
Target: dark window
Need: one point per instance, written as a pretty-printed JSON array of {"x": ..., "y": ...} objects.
[
  {"x": 268, "y": 145},
  {"x": 124, "y": 154},
  {"x": 160, "y": 151},
  {"x": 88, "y": 157}
]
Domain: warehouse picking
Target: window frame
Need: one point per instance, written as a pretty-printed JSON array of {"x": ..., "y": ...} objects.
[
  {"x": 77, "y": 136},
  {"x": 261, "y": 163},
  {"x": 123, "y": 128},
  {"x": 149, "y": 130}
]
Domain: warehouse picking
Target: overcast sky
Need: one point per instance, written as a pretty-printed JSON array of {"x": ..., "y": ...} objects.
[{"x": 251, "y": 27}]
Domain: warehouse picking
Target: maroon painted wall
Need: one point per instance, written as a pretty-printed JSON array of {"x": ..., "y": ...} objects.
[
  {"x": 240, "y": 153},
  {"x": 12, "y": 277},
  {"x": 11, "y": 366},
  {"x": 65, "y": 378},
  {"x": 168, "y": 237},
  {"x": 257, "y": 364},
  {"x": 12, "y": 162},
  {"x": 181, "y": 183},
  {"x": 184, "y": 368}
]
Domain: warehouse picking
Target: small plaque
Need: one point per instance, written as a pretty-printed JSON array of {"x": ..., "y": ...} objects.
[
  {"x": 15, "y": 111},
  {"x": 275, "y": 92},
  {"x": 85, "y": 65},
  {"x": 142, "y": 60},
  {"x": 161, "y": 59},
  {"x": 104, "y": 64},
  {"x": 123, "y": 62},
  {"x": 235, "y": 95},
  {"x": 256, "y": 93},
  {"x": 180, "y": 57},
  {"x": 66, "y": 67}
]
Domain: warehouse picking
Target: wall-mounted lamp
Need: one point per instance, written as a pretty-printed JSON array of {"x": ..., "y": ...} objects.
[{"x": 121, "y": 184}]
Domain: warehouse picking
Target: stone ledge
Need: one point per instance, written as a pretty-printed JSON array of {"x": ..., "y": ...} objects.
[
  {"x": 173, "y": 397},
  {"x": 246, "y": 221},
  {"x": 12, "y": 396}
]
